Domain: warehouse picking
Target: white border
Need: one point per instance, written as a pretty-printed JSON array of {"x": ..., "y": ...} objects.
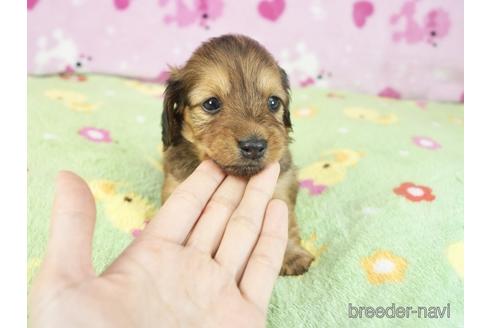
[
  {"x": 13, "y": 136},
  {"x": 478, "y": 127},
  {"x": 478, "y": 164}
]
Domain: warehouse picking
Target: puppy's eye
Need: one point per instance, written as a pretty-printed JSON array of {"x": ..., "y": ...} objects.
[
  {"x": 211, "y": 105},
  {"x": 274, "y": 103}
]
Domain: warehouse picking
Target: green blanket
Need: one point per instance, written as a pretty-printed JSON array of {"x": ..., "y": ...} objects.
[{"x": 380, "y": 203}]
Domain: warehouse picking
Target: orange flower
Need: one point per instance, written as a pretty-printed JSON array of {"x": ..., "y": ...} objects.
[
  {"x": 414, "y": 193},
  {"x": 383, "y": 266}
]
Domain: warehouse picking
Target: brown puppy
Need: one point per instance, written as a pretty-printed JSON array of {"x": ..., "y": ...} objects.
[{"x": 230, "y": 103}]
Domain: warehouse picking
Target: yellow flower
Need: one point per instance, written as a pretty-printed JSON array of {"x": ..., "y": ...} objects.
[
  {"x": 312, "y": 246},
  {"x": 456, "y": 257},
  {"x": 456, "y": 120},
  {"x": 383, "y": 266},
  {"x": 323, "y": 172},
  {"x": 126, "y": 211},
  {"x": 344, "y": 157},
  {"x": 73, "y": 100},
  {"x": 332, "y": 169},
  {"x": 371, "y": 115},
  {"x": 152, "y": 89},
  {"x": 82, "y": 106},
  {"x": 33, "y": 265},
  {"x": 386, "y": 119},
  {"x": 64, "y": 95},
  {"x": 102, "y": 189}
]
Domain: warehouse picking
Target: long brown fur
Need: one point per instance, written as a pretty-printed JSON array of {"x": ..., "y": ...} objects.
[{"x": 242, "y": 75}]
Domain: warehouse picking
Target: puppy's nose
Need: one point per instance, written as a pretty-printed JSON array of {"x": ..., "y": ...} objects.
[{"x": 253, "y": 148}]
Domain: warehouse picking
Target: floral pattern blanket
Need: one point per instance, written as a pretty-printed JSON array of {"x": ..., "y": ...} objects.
[{"x": 380, "y": 203}]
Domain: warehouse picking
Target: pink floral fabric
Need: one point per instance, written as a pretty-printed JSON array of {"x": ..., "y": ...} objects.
[{"x": 397, "y": 49}]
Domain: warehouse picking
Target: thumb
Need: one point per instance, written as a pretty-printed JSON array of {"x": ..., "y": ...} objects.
[{"x": 72, "y": 224}]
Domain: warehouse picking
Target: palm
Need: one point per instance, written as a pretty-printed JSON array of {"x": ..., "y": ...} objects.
[
  {"x": 194, "y": 288},
  {"x": 176, "y": 278}
]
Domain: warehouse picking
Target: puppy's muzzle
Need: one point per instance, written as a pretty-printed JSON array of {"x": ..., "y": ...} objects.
[{"x": 253, "y": 148}]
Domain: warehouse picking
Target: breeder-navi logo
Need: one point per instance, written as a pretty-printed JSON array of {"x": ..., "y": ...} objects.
[{"x": 393, "y": 311}]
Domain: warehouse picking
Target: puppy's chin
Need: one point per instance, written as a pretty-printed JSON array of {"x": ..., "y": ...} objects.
[{"x": 246, "y": 170}]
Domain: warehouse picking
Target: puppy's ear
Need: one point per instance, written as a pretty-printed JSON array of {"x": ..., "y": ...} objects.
[
  {"x": 172, "y": 114},
  {"x": 286, "y": 86}
]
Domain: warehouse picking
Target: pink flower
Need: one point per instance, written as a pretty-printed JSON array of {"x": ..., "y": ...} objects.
[
  {"x": 314, "y": 189},
  {"x": 95, "y": 135},
  {"x": 425, "y": 142}
]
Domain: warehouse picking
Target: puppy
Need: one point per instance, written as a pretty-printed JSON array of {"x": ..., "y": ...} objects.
[{"x": 230, "y": 103}]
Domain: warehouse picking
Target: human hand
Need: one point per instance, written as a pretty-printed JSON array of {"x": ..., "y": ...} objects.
[{"x": 209, "y": 258}]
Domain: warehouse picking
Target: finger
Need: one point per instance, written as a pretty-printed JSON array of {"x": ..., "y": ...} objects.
[
  {"x": 245, "y": 223},
  {"x": 179, "y": 213},
  {"x": 210, "y": 227},
  {"x": 72, "y": 226},
  {"x": 264, "y": 263}
]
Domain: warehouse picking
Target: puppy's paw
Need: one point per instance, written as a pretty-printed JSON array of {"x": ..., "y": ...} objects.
[{"x": 296, "y": 261}]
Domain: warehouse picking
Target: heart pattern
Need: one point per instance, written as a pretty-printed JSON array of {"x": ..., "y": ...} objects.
[
  {"x": 121, "y": 4},
  {"x": 362, "y": 10},
  {"x": 31, "y": 4},
  {"x": 389, "y": 92},
  {"x": 297, "y": 33},
  {"x": 271, "y": 9}
]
